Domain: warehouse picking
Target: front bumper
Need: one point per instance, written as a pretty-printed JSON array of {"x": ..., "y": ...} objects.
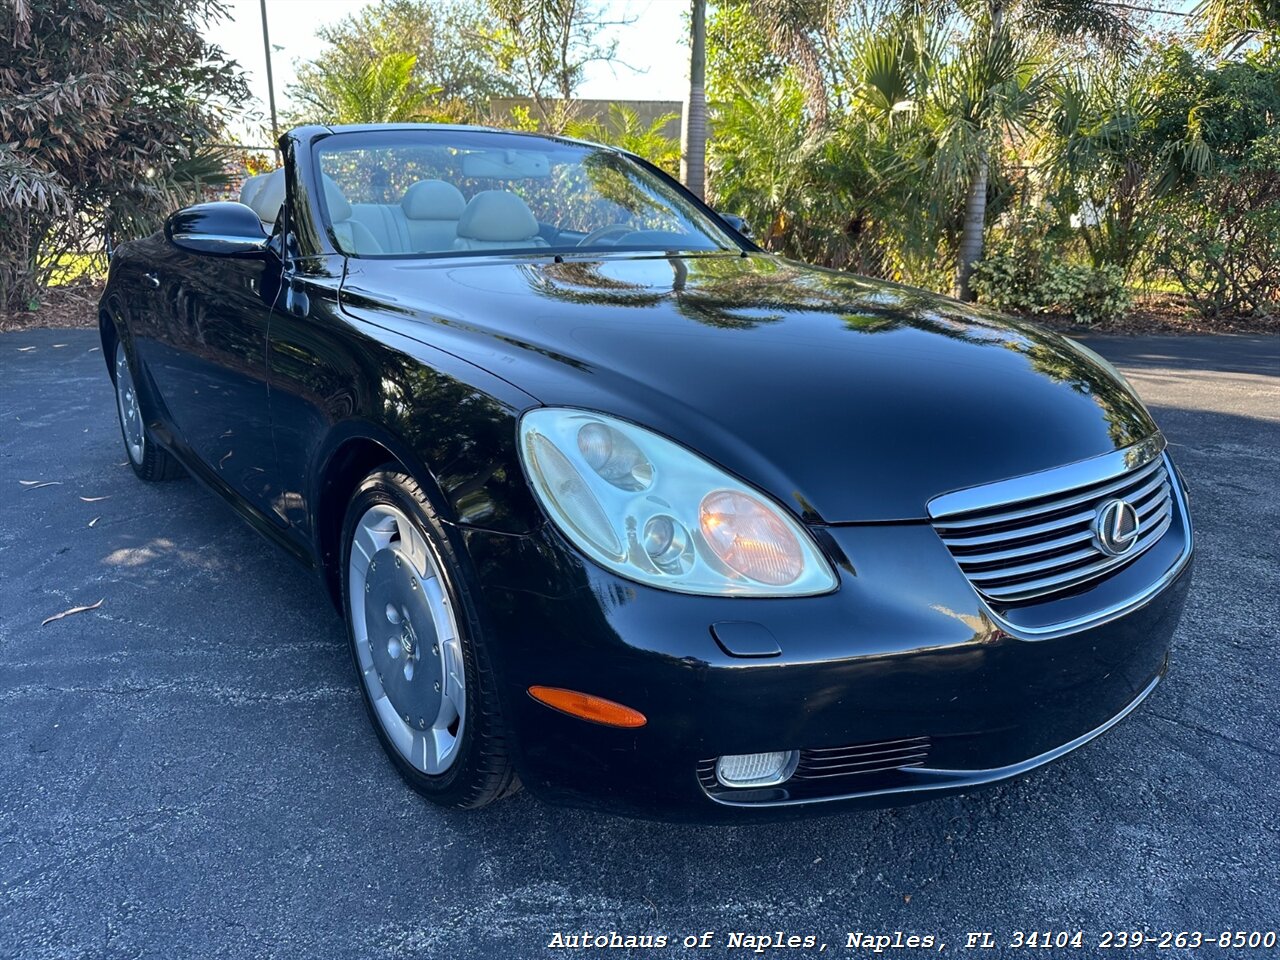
[{"x": 903, "y": 652}]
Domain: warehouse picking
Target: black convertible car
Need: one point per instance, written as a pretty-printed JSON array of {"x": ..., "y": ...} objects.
[{"x": 622, "y": 508}]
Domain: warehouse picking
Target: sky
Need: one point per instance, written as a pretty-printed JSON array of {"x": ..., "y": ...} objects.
[{"x": 652, "y": 52}]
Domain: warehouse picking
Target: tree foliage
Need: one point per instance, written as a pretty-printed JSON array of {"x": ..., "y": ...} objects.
[
  {"x": 444, "y": 61},
  {"x": 1227, "y": 26},
  {"x": 402, "y": 60},
  {"x": 107, "y": 113},
  {"x": 624, "y": 129},
  {"x": 544, "y": 46},
  {"x": 380, "y": 90},
  {"x": 1218, "y": 220},
  {"x": 1054, "y": 128}
]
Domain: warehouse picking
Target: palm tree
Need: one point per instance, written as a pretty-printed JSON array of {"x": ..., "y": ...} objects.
[
  {"x": 994, "y": 90},
  {"x": 1095, "y": 153},
  {"x": 625, "y": 129},
  {"x": 357, "y": 89},
  {"x": 693, "y": 128},
  {"x": 995, "y": 25},
  {"x": 973, "y": 102},
  {"x": 1228, "y": 25}
]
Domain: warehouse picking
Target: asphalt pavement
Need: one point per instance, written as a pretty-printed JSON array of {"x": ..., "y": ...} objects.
[{"x": 187, "y": 771}]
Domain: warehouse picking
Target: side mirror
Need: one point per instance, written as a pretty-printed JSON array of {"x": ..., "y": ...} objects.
[
  {"x": 223, "y": 228},
  {"x": 735, "y": 221}
]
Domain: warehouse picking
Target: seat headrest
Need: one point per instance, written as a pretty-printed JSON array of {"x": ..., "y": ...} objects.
[
  {"x": 250, "y": 187},
  {"x": 339, "y": 208},
  {"x": 497, "y": 215},
  {"x": 270, "y": 196},
  {"x": 264, "y": 195},
  {"x": 433, "y": 200}
]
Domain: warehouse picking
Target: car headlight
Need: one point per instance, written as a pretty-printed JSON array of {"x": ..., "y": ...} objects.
[{"x": 647, "y": 508}]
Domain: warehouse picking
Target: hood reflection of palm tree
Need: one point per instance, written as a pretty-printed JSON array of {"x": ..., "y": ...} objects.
[
  {"x": 730, "y": 293},
  {"x": 585, "y": 282}
]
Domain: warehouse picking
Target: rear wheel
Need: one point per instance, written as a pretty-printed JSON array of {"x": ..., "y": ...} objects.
[
  {"x": 416, "y": 645},
  {"x": 148, "y": 461}
]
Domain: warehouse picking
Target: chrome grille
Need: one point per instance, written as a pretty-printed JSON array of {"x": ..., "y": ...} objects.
[
  {"x": 1043, "y": 544},
  {"x": 827, "y": 771},
  {"x": 819, "y": 764}
]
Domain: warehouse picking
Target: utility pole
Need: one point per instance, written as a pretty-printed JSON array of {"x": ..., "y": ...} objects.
[{"x": 271, "y": 86}]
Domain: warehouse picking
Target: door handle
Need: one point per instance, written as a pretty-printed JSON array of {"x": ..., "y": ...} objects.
[{"x": 153, "y": 279}]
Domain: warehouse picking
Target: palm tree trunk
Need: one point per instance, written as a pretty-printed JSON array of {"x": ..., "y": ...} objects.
[
  {"x": 975, "y": 220},
  {"x": 693, "y": 129},
  {"x": 975, "y": 206}
]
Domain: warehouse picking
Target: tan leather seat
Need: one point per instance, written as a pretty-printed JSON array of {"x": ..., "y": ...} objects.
[
  {"x": 385, "y": 223},
  {"x": 497, "y": 220},
  {"x": 431, "y": 210},
  {"x": 424, "y": 221},
  {"x": 353, "y": 236}
]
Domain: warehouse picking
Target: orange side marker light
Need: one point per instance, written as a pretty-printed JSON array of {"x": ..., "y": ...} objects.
[{"x": 586, "y": 707}]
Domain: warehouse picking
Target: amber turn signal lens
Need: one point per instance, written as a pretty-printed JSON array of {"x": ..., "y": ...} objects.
[{"x": 586, "y": 707}]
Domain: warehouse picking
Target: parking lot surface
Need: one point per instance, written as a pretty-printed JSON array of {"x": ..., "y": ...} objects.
[{"x": 187, "y": 771}]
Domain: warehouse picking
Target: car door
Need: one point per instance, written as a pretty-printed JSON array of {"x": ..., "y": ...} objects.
[
  {"x": 315, "y": 379},
  {"x": 209, "y": 366}
]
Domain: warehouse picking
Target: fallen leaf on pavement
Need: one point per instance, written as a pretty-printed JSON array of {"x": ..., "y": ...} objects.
[{"x": 67, "y": 613}]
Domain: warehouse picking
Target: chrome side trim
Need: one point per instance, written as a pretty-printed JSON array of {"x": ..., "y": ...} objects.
[
  {"x": 224, "y": 242},
  {"x": 1047, "y": 483}
]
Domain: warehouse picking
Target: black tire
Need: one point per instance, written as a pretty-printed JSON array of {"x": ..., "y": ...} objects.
[
  {"x": 481, "y": 771},
  {"x": 149, "y": 461}
]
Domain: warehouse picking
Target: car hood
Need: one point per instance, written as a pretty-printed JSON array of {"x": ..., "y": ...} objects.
[{"x": 849, "y": 399}]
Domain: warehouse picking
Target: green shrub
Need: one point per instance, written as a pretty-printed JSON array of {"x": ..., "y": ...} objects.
[
  {"x": 1027, "y": 280},
  {"x": 1089, "y": 294},
  {"x": 1008, "y": 279},
  {"x": 1221, "y": 242},
  {"x": 107, "y": 111}
]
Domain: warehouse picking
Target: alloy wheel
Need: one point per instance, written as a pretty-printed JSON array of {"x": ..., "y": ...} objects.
[
  {"x": 407, "y": 644},
  {"x": 135, "y": 438}
]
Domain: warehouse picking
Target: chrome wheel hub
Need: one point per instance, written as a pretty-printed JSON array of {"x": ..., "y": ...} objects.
[
  {"x": 127, "y": 401},
  {"x": 407, "y": 644}
]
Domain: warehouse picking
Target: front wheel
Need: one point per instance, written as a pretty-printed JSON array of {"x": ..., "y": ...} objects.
[
  {"x": 148, "y": 461},
  {"x": 416, "y": 645}
]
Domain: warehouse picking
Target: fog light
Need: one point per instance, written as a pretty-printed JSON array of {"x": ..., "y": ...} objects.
[{"x": 757, "y": 769}]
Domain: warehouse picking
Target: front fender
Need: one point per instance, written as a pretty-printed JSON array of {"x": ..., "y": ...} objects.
[{"x": 457, "y": 440}]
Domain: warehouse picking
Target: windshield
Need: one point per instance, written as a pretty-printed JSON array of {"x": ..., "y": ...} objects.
[{"x": 451, "y": 193}]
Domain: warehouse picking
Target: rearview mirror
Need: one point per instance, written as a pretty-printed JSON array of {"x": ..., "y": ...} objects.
[
  {"x": 223, "y": 228},
  {"x": 735, "y": 221}
]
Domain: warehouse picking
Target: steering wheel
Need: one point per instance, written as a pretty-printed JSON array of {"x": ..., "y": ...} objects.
[{"x": 595, "y": 236}]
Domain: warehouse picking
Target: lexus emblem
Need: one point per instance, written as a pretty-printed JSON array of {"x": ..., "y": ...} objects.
[{"x": 1116, "y": 527}]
